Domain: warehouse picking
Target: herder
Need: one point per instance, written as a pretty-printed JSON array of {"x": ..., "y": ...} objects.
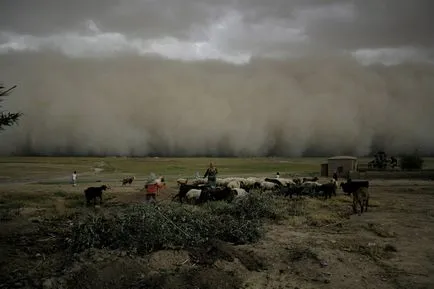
[{"x": 211, "y": 173}]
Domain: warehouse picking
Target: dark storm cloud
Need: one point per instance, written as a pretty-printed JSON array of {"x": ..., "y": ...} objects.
[
  {"x": 379, "y": 23},
  {"x": 369, "y": 23},
  {"x": 49, "y": 16}
]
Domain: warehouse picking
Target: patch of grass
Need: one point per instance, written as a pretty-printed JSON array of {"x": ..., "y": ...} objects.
[
  {"x": 18, "y": 167},
  {"x": 25, "y": 197},
  {"x": 380, "y": 230},
  {"x": 75, "y": 203},
  {"x": 9, "y": 211},
  {"x": 255, "y": 206},
  {"x": 61, "y": 194},
  {"x": 317, "y": 212},
  {"x": 297, "y": 253}
]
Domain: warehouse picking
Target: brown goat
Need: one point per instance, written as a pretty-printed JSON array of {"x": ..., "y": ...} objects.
[
  {"x": 128, "y": 180},
  {"x": 361, "y": 197}
]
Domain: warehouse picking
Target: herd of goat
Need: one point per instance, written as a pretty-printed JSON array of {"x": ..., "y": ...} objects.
[{"x": 197, "y": 191}]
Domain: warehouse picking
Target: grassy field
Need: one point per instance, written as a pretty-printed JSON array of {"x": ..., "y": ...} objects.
[{"x": 49, "y": 239}]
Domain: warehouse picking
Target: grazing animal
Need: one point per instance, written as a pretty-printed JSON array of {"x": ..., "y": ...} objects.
[
  {"x": 257, "y": 185},
  {"x": 91, "y": 193},
  {"x": 290, "y": 190},
  {"x": 246, "y": 186},
  {"x": 193, "y": 195},
  {"x": 216, "y": 194},
  {"x": 274, "y": 181},
  {"x": 128, "y": 180},
  {"x": 335, "y": 183},
  {"x": 328, "y": 189},
  {"x": 181, "y": 181},
  {"x": 234, "y": 184},
  {"x": 183, "y": 190},
  {"x": 352, "y": 185},
  {"x": 309, "y": 188},
  {"x": 239, "y": 193},
  {"x": 361, "y": 198},
  {"x": 268, "y": 186},
  {"x": 314, "y": 179}
]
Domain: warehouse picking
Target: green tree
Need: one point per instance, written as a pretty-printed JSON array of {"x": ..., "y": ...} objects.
[{"x": 7, "y": 118}]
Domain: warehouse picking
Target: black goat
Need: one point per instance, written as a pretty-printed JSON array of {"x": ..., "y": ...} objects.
[
  {"x": 274, "y": 181},
  {"x": 92, "y": 193},
  {"x": 353, "y": 185},
  {"x": 314, "y": 179},
  {"x": 183, "y": 190},
  {"x": 291, "y": 190},
  {"x": 328, "y": 189},
  {"x": 217, "y": 194}
]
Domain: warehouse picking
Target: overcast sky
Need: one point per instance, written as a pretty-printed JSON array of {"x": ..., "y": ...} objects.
[{"x": 388, "y": 31}]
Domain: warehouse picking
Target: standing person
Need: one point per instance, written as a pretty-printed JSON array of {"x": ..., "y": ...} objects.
[
  {"x": 153, "y": 188},
  {"x": 151, "y": 191},
  {"x": 74, "y": 178},
  {"x": 335, "y": 175},
  {"x": 211, "y": 173},
  {"x": 277, "y": 175}
]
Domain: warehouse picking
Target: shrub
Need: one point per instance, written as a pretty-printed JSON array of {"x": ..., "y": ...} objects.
[
  {"x": 255, "y": 206},
  {"x": 145, "y": 228},
  {"x": 411, "y": 162}
]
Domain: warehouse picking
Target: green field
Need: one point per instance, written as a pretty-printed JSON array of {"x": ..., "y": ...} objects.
[
  {"x": 90, "y": 168},
  {"x": 30, "y": 168}
]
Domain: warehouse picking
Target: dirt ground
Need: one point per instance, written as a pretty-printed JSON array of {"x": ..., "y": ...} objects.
[{"x": 390, "y": 246}]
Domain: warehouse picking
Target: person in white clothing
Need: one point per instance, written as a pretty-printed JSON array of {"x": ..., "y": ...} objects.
[
  {"x": 74, "y": 178},
  {"x": 277, "y": 175}
]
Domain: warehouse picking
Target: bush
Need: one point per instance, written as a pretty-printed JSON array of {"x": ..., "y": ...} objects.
[
  {"x": 411, "y": 162},
  {"x": 255, "y": 206},
  {"x": 145, "y": 228}
]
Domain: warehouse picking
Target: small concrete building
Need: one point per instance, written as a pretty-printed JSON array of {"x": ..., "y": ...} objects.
[{"x": 342, "y": 164}]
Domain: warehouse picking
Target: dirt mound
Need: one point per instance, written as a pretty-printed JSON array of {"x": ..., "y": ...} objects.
[
  {"x": 191, "y": 279},
  {"x": 168, "y": 260},
  {"x": 225, "y": 251}
]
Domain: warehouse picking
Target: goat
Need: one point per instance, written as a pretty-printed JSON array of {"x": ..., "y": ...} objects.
[
  {"x": 91, "y": 193},
  {"x": 328, "y": 189},
  {"x": 314, "y": 179},
  {"x": 361, "y": 198},
  {"x": 182, "y": 181},
  {"x": 128, "y": 180},
  {"x": 183, "y": 190},
  {"x": 217, "y": 194},
  {"x": 352, "y": 185}
]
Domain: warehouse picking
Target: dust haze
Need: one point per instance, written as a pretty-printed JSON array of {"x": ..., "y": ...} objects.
[
  {"x": 312, "y": 87},
  {"x": 141, "y": 106}
]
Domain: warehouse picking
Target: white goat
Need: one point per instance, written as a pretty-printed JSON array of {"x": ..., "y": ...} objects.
[
  {"x": 193, "y": 195},
  {"x": 234, "y": 184},
  {"x": 239, "y": 193},
  {"x": 268, "y": 185}
]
